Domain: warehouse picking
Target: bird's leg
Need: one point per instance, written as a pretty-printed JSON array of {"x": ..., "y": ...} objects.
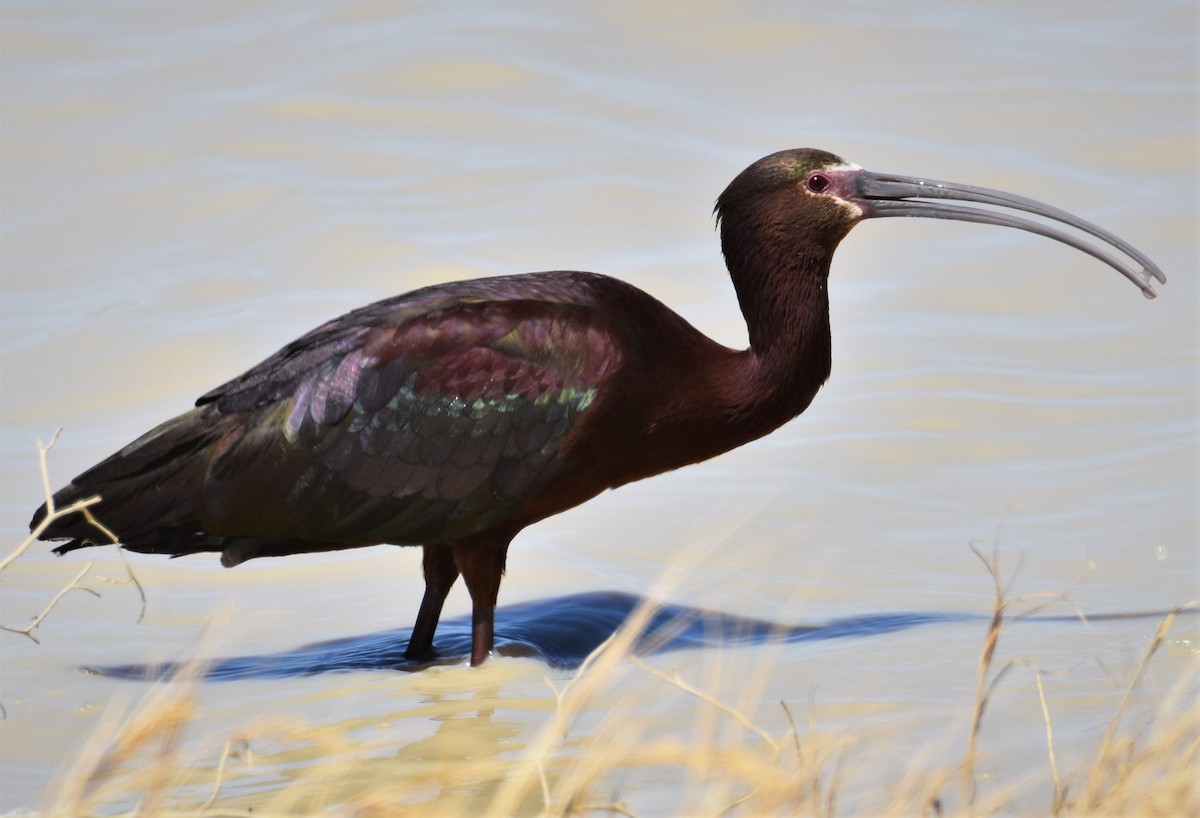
[
  {"x": 440, "y": 574},
  {"x": 482, "y": 566}
]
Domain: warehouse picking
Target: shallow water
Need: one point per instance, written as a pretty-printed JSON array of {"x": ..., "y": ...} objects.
[{"x": 186, "y": 188}]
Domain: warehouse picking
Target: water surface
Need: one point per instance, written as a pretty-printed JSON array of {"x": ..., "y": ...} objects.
[{"x": 186, "y": 188}]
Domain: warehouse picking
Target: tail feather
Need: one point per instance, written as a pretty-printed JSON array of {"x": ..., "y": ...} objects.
[{"x": 148, "y": 491}]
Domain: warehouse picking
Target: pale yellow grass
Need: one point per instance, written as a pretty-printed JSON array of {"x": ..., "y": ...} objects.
[{"x": 736, "y": 768}]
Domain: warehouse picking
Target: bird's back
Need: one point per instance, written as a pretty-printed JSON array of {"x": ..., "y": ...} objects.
[{"x": 421, "y": 418}]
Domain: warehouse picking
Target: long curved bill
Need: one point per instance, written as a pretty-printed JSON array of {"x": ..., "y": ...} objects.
[{"x": 881, "y": 195}]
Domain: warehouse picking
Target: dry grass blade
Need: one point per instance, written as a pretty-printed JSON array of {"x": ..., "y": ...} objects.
[
  {"x": 1119, "y": 763},
  {"x": 1059, "y": 793},
  {"x": 593, "y": 674},
  {"x": 700, "y": 694},
  {"x": 985, "y": 682},
  {"x": 982, "y": 687},
  {"x": 107, "y": 766}
]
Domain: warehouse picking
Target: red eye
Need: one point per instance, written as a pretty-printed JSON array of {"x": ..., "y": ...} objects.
[{"x": 818, "y": 183}]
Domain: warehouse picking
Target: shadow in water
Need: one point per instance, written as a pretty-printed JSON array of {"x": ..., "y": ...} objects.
[{"x": 561, "y": 631}]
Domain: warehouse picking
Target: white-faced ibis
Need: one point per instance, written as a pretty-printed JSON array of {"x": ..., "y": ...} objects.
[{"x": 456, "y": 415}]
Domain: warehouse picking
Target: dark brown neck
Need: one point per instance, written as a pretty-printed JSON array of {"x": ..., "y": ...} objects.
[
  {"x": 704, "y": 398},
  {"x": 785, "y": 301}
]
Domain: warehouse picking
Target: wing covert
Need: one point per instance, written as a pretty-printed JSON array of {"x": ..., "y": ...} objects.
[{"x": 410, "y": 429}]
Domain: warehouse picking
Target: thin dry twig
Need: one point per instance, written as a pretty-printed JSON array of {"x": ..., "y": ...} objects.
[
  {"x": 130, "y": 579},
  {"x": 73, "y": 585},
  {"x": 54, "y": 513}
]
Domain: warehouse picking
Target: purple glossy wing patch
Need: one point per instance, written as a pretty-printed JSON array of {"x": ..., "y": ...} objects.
[{"x": 424, "y": 428}]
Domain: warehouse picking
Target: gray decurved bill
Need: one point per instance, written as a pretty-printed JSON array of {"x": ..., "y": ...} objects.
[{"x": 884, "y": 195}]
